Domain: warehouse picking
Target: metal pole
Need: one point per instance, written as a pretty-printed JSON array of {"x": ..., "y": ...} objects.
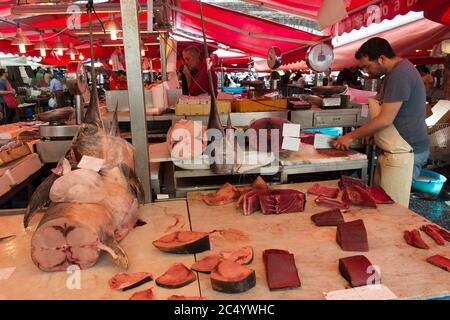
[
  {"x": 138, "y": 119},
  {"x": 162, "y": 46},
  {"x": 78, "y": 108}
]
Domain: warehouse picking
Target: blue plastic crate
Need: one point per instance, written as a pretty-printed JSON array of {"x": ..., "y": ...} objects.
[
  {"x": 432, "y": 186},
  {"x": 234, "y": 90}
]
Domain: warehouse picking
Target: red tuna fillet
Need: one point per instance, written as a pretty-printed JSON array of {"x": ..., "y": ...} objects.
[
  {"x": 352, "y": 236},
  {"x": 414, "y": 239},
  {"x": 380, "y": 196},
  {"x": 282, "y": 201},
  {"x": 319, "y": 190},
  {"x": 356, "y": 270},
  {"x": 440, "y": 261},
  {"x": 329, "y": 203},
  {"x": 433, "y": 233},
  {"x": 143, "y": 295},
  {"x": 444, "y": 233},
  {"x": 331, "y": 217},
  {"x": 358, "y": 196},
  {"x": 349, "y": 181},
  {"x": 281, "y": 271}
]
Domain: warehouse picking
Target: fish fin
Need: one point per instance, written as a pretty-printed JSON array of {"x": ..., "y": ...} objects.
[
  {"x": 39, "y": 198},
  {"x": 133, "y": 182},
  {"x": 115, "y": 130},
  {"x": 119, "y": 256},
  {"x": 92, "y": 114}
]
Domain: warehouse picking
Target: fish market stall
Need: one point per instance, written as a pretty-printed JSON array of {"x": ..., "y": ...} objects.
[{"x": 403, "y": 269}]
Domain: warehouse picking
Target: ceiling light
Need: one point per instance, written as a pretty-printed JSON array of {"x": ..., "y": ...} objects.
[
  {"x": 21, "y": 41},
  {"x": 42, "y": 46}
]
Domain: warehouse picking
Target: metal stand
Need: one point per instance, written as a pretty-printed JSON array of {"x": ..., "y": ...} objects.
[{"x": 131, "y": 42}]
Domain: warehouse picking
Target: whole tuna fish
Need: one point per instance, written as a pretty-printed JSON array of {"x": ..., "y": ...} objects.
[{"x": 88, "y": 211}]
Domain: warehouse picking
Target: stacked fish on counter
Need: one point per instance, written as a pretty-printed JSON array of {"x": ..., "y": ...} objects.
[{"x": 88, "y": 211}]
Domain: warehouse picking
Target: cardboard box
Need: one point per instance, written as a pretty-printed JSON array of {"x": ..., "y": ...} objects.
[
  {"x": 14, "y": 154},
  {"x": 441, "y": 113},
  {"x": 246, "y": 105},
  {"x": 24, "y": 168},
  {"x": 120, "y": 97},
  {"x": 201, "y": 109}
]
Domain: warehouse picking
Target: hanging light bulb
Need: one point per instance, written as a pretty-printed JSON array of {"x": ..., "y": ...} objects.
[
  {"x": 72, "y": 52},
  {"x": 111, "y": 26},
  {"x": 21, "y": 41},
  {"x": 60, "y": 47},
  {"x": 42, "y": 46},
  {"x": 81, "y": 57}
]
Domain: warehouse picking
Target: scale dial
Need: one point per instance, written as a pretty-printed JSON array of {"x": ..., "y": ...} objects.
[
  {"x": 320, "y": 57},
  {"x": 274, "y": 57}
]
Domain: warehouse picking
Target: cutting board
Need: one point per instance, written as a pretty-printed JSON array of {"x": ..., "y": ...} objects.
[
  {"x": 308, "y": 154},
  {"x": 403, "y": 268}
]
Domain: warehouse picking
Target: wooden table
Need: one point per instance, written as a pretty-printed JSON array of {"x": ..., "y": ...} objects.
[
  {"x": 28, "y": 282},
  {"x": 403, "y": 268}
]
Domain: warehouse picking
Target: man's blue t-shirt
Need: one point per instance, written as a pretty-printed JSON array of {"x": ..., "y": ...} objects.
[{"x": 404, "y": 84}]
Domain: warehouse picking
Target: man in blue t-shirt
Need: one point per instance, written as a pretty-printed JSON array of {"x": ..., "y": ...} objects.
[{"x": 403, "y": 100}]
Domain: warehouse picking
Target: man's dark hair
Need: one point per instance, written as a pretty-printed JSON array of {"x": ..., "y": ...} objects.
[
  {"x": 121, "y": 73},
  {"x": 374, "y": 48},
  {"x": 2, "y": 72}
]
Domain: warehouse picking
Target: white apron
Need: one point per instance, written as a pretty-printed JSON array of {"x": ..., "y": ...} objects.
[{"x": 395, "y": 166}]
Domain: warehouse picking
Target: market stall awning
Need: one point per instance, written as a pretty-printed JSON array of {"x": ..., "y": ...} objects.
[
  {"x": 241, "y": 31},
  {"x": 361, "y": 12},
  {"x": 417, "y": 35}
]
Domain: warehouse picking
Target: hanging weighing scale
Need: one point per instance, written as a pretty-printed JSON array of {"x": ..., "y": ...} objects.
[{"x": 319, "y": 58}]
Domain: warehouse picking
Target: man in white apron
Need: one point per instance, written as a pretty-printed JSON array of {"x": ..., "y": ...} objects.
[{"x": 397, "y": 119}]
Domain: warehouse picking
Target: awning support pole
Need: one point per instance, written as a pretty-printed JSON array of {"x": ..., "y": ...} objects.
[{"x": 138, "y": 119}]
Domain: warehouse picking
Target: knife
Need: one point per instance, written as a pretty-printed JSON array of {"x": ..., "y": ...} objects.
[{"x": 324, "y": 141}]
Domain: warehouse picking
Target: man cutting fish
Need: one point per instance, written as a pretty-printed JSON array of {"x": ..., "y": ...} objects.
[
  {"x": 397, "y": 119},
  {"x": 196, "y": 72}
]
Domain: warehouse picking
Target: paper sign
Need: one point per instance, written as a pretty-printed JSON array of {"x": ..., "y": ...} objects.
[
  {"x": 364, "y": 111},
  {"x": 291, "y": 143},
  {"x": 91, "y": 163},
  {"x": 323, "y": 141},
  {"x": 162, "y": 196},
  {"x": 371, "y": 292},
  {"x": 291, "y": 130},
  {"x": 5, "y": 273}
]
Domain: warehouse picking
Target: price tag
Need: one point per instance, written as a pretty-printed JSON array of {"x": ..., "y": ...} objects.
[
  {"x": 91, "y": 163},
  {"x": 364, "y": 111},
  {"x": 291, "y": 130},
  {"x": 291, "y": 143}
]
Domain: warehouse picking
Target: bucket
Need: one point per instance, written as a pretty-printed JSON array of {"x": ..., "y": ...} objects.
[{"x": 429, "y": 182}]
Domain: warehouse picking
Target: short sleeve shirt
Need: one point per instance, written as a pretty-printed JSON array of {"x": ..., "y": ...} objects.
[{"x": 404, "y": 84}]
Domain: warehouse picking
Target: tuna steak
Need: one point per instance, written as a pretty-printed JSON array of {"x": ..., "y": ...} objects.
[
  {"x": 330, "y": 203},
  {"x": 331, "y": 217},
  {"x": 231, "y": 277},
  {"x": 281, "y": 271},
  {"x": 207, "y": 264},
  {"x": 357, "y": 270},
  {"x": 184, "y": 242},
  {"x": 352, "y": 236},
  {"x": 319, "y": 190},
  {"x": 440, "y": 261},
  {"x": 358, "y": 196},
  {"x": 414, "y": 239},
  {"x": 177, "y": 276},
  {"x": 123, "y": 281},
  {"x": 282, "y": 201}
]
